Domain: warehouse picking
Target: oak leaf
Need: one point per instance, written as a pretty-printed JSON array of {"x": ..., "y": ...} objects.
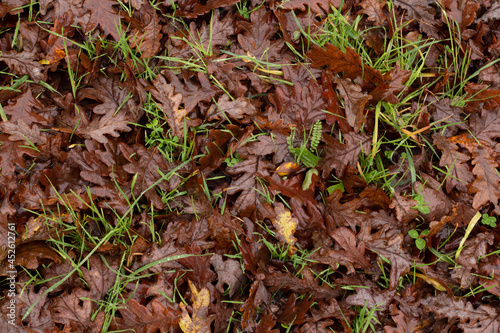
[
  {"x": 101, "y": 13},
  {"x": 73, "y": 309},
  {"x": 22, "y": 132},
  {"x": 486, "y": 125},
  {"x": 338, "y": 156},
  {"x": 317, "y": 6},
  {"x": 247, "y": 183},
  {"x": 486, "y": 186},
  {"x": 235, "y": 109},
  {"x": 199, "y": 321},
  {"x": 484, "y": 318},
  {"x": 374, "y": 10},
  {"x": 228, "y": 272},
  {"x": 256, "y": 39},
  {"x": 348, "y": 62},
  {"x": 143, "y": 319},
  {"x": 26, "y": 108},
  {"x": 392, "y": 249},
  {"x": 460, "y": 176},
  {"x": 24, "y": 63},
  {"x": 170, "y": 103},
  {"x": 147, "y": 39},
  {"x": 354, "y": 102}
]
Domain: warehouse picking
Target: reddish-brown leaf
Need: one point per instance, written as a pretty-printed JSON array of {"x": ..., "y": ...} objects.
[
  {"x": 338, "y": 156},
  {"x": 392, "y": 249},
  {"x": 247, "y": 185},
  {"x": 316, "y": 6},
  {"x": 24, "y": 63},
  {"x": 101, "y": 13},
  {"x": 484, "y": 318},
  {"x": 150, "y": 318},
  {"x": 486, "y": 186},
  {"x": 26, "y": 108},
  {"x": 354, "y": 102},
  {"x": 460, "y": 175},
  {"x": 374, "y": 10},
  {"x": 235, "y": 109},
  {"x": 228, "y": 273},
  {"x": 170, "y": 103},
  {"x": 348, "y": 62},
  {"x": 147, "y": 39}
]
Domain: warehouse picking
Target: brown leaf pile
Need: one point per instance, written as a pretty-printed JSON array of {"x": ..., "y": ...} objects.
[{"x": 217, "y": 232}]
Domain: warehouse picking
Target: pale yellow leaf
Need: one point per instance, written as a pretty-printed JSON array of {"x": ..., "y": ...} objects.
[
  {"x": 199, "y": 322},
  {"x": 285, "y": 225}
]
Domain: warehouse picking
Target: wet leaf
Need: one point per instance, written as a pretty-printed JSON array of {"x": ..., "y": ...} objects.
[
  {"x": 285, "y": 225},
  {"x": 199, "y": 321},
  {"x": 348, "y": 62}
]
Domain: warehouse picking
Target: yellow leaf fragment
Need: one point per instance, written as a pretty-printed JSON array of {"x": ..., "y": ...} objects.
[
  {"x": 199, "y": 322},
  {"x": 287, "y": 168},
  {"x": 435, "y": 283},
  {"x": 285, "y": 226}
]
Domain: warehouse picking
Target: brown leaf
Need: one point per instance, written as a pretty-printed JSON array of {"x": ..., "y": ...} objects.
[
  {"x": 256, "y": 39},
  {"x": 460, "y": 176},
  {"x": 485, "y": 318},
  {"x": 147, "y": 40},
  {"x": 392, "y": 249},
  {"x": 170, "y": 103},
  {"x": 101, "y": 13},
  {"x": 247, "y": 183},
  {"x": 100, "y": 276},
  {"x": 72, "y": 309},
  {"x": 228, "y": 272},
  {"x": 486, "y": 125},
  {"x": 348, "y": 62},
  {"x": 374, "y": 10},
  {"x": 421, "y": 12},
  {"x": 26, "y": 108},
  {"x": 22, "y": 132},
  {"x": 278, "y": 280},
  {"x": 147, "y": 164},
  {"x": 353, "y": 251},
  {"x": 32, "y": 254},
  {"x": 235, "y": 109},
  {"x": 338, "y": 156},
  {"x": 302, "y": 105},
  {"x": 486, "y": 186},
  {"x": 24, "y": 63},
  {"x": 403, "y": 206},
  {"x": 200, "y": 9},
  {"x": 258, "y": 294},
  {"x": 342, "y": 215},
  {"x": 354, "y": 102},
  {"x": 316, "y": 6},
  {"x": 193, "y": 91},
  {"x": 142, "y": 319}
]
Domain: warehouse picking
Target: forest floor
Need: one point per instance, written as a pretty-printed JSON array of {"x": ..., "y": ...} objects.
[{"x": 249, "y": 166}]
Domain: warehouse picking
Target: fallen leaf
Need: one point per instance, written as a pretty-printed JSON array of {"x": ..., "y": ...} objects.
[
  {"x": 348, "y": 62},
  {"x": 285, "y": 225},
  {"x": 199, "y": 321},
  {"x": 354, "y": 102},
  {"x": 170, "y": 103}
]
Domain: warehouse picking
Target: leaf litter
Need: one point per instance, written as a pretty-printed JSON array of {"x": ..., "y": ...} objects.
[{"x": 256, "y": 166}]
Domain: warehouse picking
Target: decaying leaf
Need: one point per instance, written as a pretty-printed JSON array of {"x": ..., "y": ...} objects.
[
  {"x": 199, "y": 321},
  {"x": 285, "y": 225}
]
